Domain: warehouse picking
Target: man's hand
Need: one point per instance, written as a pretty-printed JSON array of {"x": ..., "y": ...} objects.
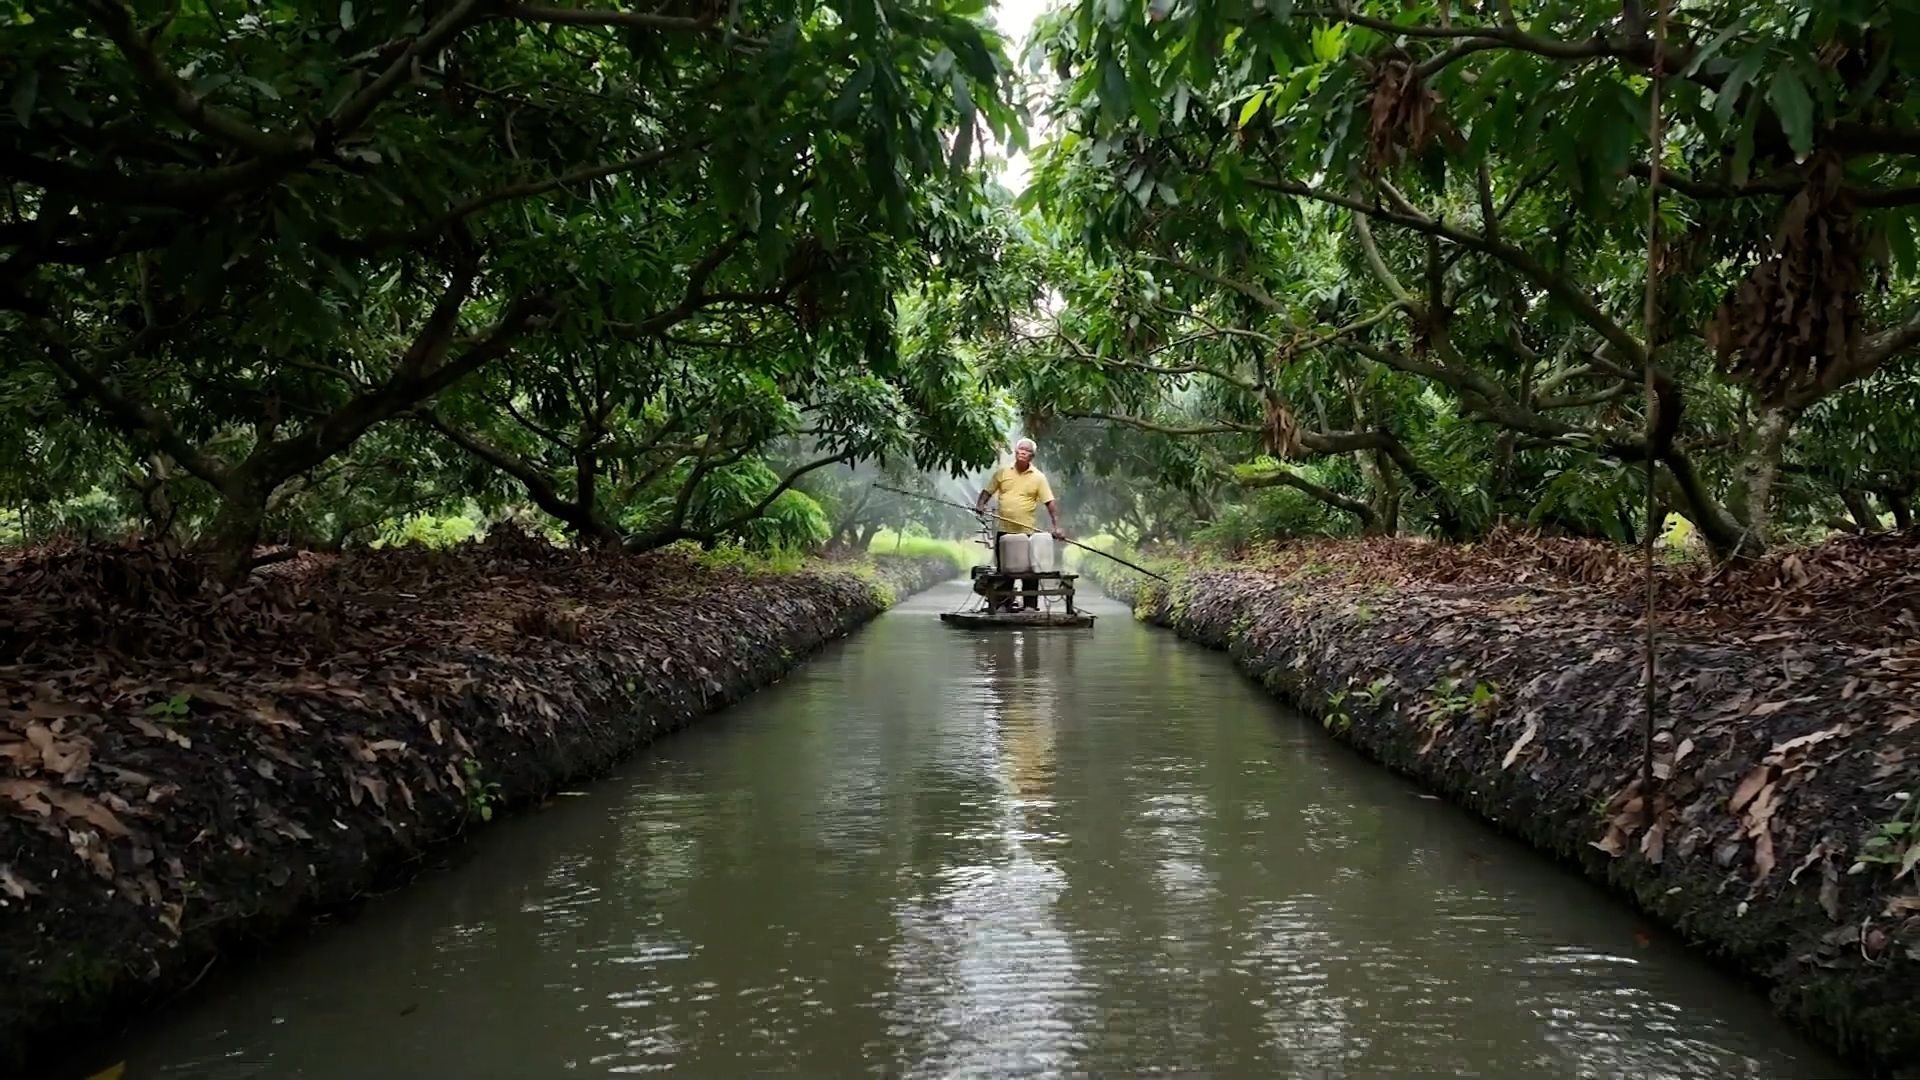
[{"x": 1059, "y": 533}]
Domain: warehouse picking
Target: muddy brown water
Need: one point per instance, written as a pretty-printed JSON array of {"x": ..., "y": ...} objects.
[{"x": 936, "y": 852}]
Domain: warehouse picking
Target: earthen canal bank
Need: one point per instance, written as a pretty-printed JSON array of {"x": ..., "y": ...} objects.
[
  {"x": 1783, "y": 749},
  {"x": 184, "y": 774}
]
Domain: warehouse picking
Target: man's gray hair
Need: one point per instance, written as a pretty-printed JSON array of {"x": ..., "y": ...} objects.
[{"x": 1028, "y": 443}]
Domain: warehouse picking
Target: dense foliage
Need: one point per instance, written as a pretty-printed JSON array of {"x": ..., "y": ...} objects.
[
  {"x": 1392, "y": 257},
  {"x": 273, "y": 271},
  {"x": 286, "y": 270}
]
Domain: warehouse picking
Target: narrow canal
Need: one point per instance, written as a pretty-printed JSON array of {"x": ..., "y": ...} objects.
[{"x": 933, "y": 852}]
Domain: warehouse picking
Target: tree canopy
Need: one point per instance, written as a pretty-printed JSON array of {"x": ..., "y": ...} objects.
[
  {"x": 645, "y": 266},
  {"x": 1394, "y": 255},
  {"x": 273, "y": 271}
]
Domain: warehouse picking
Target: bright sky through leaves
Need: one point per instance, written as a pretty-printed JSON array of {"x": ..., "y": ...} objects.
[{"x": 1016, "y": 18}]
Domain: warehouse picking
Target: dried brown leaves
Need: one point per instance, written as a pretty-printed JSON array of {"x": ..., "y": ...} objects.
[
  {"x": 1797, "y": 312},
  {"x": 178, "y": 741},
  {"x": 1280, "y": 431},
  {"x": 1400, "y": 114}
]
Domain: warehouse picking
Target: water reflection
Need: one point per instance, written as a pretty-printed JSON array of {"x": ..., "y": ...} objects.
[{"x": 935, "y": 852}]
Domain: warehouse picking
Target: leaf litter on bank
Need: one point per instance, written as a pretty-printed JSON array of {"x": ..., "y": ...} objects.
[
  {"x": 1789, "y": 706},
  {"x": 174, "y": 740}
]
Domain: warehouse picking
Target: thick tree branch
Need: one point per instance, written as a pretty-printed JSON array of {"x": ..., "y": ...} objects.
[
  {"x": 1281, "y": 476},
  {"x": 1777, "y": 185},
  {"x": 785, "y": 485},
  {"x": 577, "y": 512},
  {"x": 176, "y": 97},
  {"x": 1558, "y": 285},
  {"x": 527, "y": 190},
  {"x": 1383, "y": 273},
  {"x": 1581, "y": 401},
  {"x": 1181, "y": 369},
  {"x": 633, "y": 20},
  {"x": 195, "y": 190},
  {"x": 133, "y": 417},
  {"x": 354, "y": 111},
  {"x": 1247, "y": 289},
  {"x": 1223, "y": 428},
  {"x": 410, "y": 385},
  {"x": 1892, "y": 343}
]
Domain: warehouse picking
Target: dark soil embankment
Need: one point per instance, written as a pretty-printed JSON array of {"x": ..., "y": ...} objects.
[
  {"x": 183, "y": 770},
  {"x": 1508, "y": 677}
]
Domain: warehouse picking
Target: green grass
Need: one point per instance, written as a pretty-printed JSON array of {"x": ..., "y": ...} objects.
[
  {"x": 960, "y": 553},
  {"x": 1100, "y": 569},
  {"x": 429, "y": 530},
  {"x": 773, "y": 560}
]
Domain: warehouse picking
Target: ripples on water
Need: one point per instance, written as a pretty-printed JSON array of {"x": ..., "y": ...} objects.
[{"x": 931, "y": 853}]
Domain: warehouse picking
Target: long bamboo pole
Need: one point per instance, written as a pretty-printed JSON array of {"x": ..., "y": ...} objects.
[{"x": 976, "y": 510}]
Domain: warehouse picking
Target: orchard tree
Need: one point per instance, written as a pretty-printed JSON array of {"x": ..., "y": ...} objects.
[
  {"x": 240, "y": 238},
  {"x": 1373, "y": 226}
]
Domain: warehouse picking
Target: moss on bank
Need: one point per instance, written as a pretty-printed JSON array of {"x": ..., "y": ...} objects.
[
  {"x": 185, "y": 771},
  {"x": 1787, "y": 744}
]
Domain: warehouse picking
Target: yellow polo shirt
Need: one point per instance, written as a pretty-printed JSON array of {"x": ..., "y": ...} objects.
[{"x": 1020, "y": 493}]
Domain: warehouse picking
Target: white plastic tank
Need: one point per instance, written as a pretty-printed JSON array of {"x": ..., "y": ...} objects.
[
  {"x": 1016, "y": 553},
  {"x": 1046, "y": 557}
]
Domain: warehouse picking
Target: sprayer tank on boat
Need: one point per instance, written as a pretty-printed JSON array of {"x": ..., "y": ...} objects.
[
  {"x": 1022, "y": 553},
  {"x": 1020, "y": 559},
  {"x": 1025, "y": 570}
]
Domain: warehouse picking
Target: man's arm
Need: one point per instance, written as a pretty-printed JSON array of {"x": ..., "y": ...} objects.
[
  {"x": 987, "y": 492},
  {"x": 1053, "y": 512}
]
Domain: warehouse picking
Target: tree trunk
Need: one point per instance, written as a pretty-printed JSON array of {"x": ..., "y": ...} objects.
[
  {"x": 236, "y": 529},
  {"x": 1386, "y": 485},
  {"x": 1860, "y": 509},
  {"x": 1751, "y": 500},
  {"x": 1901, "y": 503},
  {"x": 586, "y": 522},
  {"x": 1500, "y": 477}
]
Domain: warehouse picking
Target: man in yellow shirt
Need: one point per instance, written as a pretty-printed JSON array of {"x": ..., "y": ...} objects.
[{"x": 1021, "y": 489}]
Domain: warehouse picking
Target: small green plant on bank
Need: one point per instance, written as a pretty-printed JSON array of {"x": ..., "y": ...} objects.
[
  {"x": 1449, "y": 699},
  {"x": 1484, "y": 699},
  {"x": 1363, "y": 614},
  {"x": 482, "y": 794},
  {"x": 1374, "y": 691},
  {"x": 1337, "y": 719},
  {"x": 1445, "y": 699},
  {"x": 1895, "y": 842},
  {"x": 173, "y": 708}
]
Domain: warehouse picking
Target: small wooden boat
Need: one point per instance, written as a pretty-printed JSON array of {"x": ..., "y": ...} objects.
[
  {"x": 984, "y": 619},
  {"x": 996, "y": 590}
]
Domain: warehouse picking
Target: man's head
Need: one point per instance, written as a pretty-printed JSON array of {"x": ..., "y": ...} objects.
[{"x": 1023, "y": 452}]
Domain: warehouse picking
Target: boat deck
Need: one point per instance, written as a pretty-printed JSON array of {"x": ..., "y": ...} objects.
[{"x": 1015, "y": 619}]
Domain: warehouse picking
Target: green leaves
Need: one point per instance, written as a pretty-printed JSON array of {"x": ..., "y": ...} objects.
[
  {"x": 1518, "y": 211},
  {"x": 715, "y": 227},
  {"x": 1794, "y": 106},
  {"x": 1728, "y": 95},
  {"x": 1251, "y": 108}
]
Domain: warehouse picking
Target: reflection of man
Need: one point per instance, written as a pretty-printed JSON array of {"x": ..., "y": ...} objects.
[
  {"x": 1014, "y": 668},
  {"x": 1021, "y": 489}
]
